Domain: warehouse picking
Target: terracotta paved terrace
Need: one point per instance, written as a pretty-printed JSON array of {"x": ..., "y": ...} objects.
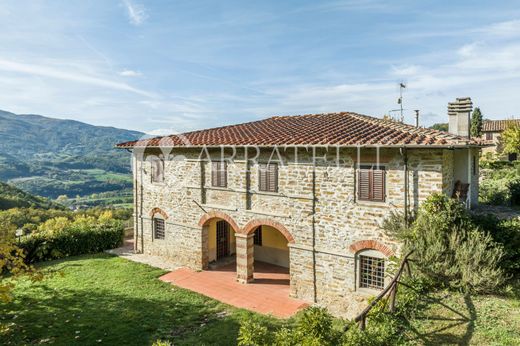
[{"x": 268, "y": 294}]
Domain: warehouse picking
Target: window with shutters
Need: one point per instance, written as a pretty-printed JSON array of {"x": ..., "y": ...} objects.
[
  {"x": 257, "y": 240},
  {"x": 219, "y": 174},
  {"x": 158, "y": 228},
  {"x": 157, "y": 170},
  {"x": 268, "y": 177},
  {"x": 371, "y": 183}
]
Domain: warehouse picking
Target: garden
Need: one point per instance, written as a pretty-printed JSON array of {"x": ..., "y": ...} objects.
[{"x": 463, "y": 290}]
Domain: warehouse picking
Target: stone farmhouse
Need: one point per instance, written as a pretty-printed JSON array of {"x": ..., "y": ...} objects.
[
  {"x": 305, "y": 193},
  {"x": 491, "y": 132}
]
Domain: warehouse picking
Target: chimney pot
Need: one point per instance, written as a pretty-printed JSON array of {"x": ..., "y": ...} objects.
[{"x": 459, "y": 116}]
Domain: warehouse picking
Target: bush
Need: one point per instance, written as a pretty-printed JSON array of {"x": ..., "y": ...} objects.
[
  {"x": 506, "y": 233},
  {"x": 452, "y": 250},
  {"x": 60, "y": 237},
  {"x": 500, "y": 186},
  {"x": 253, "y": 333}
]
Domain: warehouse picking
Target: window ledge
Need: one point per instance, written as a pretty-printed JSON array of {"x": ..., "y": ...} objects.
[
  {"x": 368, "y": 292},
  {"x": 366, "y": 203},
  {"x": 267, "y": 193},
  {"x": 219, "y": 188}
]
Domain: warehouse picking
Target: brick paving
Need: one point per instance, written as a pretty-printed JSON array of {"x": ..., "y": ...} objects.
[{"x": 267, "y": 294}]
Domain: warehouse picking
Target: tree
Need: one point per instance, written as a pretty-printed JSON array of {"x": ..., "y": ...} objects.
[
  {"x": 440, "y": 127},
  {"x": 511, "y": 138},
  {"x": 476, "y": 123},
  {"x": 12, "y": 264}
]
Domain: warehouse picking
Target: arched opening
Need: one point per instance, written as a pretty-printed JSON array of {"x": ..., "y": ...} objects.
[
  {"x": 271, "y": 252},
  {"x": 218, "y": 240},
  {"x": 221, "y": 243}
]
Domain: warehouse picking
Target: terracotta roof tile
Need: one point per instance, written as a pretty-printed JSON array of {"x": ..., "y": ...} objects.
[
  {"x": 344, "y": 129},
  {"x": 497, "y": 125}
]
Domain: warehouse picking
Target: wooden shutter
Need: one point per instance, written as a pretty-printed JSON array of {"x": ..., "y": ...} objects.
[
  {"x": 272, "y": 178},
  {"x": 378, "y": 185},
  {"x": 222, "y": 179},
  {"x": 262, "y": 177},
  {"x": 214, "y": 174},
  {"x": 371, "y": 184},
  {"x": 364, "y": 184},
  {"x": 157, "y": 170}
]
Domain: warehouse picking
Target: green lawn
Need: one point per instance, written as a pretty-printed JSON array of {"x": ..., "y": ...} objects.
[
  {"x": 100, "y": 299},
  {"x": 447, "y": 318},
  {"x": 108, "y": 300}
]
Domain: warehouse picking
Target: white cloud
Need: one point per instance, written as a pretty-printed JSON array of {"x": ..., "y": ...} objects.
[
  {"x": 507, "y": 29},
  {"x": 52, "y": 72},
  {"x": 136, "y": 12},
  {"x": 130, "y": 73}
]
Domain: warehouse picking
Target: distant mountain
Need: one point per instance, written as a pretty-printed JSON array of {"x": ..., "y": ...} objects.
[
  {"x": 52, "y": 157},
  {"x": 11, "y": 197}
]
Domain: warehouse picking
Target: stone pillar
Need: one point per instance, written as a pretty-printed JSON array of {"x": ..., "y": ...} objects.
[
  {"x": 245, "y": 257},
  {"x": 204, "y": 258}
]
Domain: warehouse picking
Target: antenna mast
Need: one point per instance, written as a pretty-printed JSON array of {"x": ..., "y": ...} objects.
[{"x": 400, "y": 100}]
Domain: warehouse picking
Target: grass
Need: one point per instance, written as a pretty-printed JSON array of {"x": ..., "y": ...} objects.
[
  {"x": 100, "y": 299},
  {"x": 448, "y": 318}
]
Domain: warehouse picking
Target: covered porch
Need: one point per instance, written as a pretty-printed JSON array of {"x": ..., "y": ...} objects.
[{"x": 268, "y": 293}]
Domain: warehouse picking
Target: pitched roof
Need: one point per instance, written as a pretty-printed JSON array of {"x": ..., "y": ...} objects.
[
  {"x": 498, "y": 125},
  {"x": 344, "y": 129}
]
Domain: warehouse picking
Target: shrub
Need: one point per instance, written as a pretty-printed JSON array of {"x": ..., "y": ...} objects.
[
  {"x": 506, "y": 233},
  {"x": 61, "y": 237},
  {"x": 253, "y": 333},
  {"x": 514, "y": 190},
  {"x": 452, "y": 251}
]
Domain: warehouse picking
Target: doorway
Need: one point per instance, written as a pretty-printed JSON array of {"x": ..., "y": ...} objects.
[{"x": 222, "y": 239}]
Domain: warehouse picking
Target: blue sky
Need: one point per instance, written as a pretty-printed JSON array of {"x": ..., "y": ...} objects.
[{"x": 170, "y": 66}]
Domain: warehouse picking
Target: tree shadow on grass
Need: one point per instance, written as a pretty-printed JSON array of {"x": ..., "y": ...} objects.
[
  {"x": 84, "y": 317},
  {"x": 444, "y": 334}
]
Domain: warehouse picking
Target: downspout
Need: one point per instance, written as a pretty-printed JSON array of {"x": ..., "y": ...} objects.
[
  {"x": 136, "y": 213},
  {"x": 315, "y": 294},
  {"x": 141, "y": 207},
  {"x": 404, "y": 154},
  {"x": 470, "y": 178}
]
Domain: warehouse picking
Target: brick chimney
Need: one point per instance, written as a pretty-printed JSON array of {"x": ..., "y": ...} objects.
[{"x": 459, "y": 114}]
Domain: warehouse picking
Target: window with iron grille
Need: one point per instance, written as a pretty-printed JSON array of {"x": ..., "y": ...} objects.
[
  {"x": 219, "y": 174},
  {"x": 371, "y": 272},
  {"x": 371, "y": 183},
  {"x": 268, "y": 177},
  {"x": 489, "y": 136},
  {"x": 157, "y": 170},
  {"x": 258, "y": 236},
  {"x": 158, "y": 228}
]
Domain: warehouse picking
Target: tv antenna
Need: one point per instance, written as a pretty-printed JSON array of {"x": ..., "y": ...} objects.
[{"x": 400, "y": 100}]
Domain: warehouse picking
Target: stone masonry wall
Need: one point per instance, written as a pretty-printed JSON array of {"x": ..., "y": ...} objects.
[{"x": 322, "y": 266}]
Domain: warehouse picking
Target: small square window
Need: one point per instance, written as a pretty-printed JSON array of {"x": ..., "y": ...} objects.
[
  {"x": 268, "y": 177},
  {"x": 371, "y": 183},
  {"x": 157, "y": 170},
  {"x": 258, "y": 236},
  {"x": 489, "y": 136},
  {"x": 158, "y": 228},
  {"x": 219, "y": 174},
  {"x": 371, "y": 272}
]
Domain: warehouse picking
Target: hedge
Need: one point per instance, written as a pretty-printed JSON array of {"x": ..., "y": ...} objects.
[{"x": 73, "y": 240}]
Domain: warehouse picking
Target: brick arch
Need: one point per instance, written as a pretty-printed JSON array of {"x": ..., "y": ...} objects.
[
  {"x": 158, "y": 211},
  {"x": 253, "y": 224},
  {"x": 372, "y": 244},
  {"x": 218, "y": 215}
]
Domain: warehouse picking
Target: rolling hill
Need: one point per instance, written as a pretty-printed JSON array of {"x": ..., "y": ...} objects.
[
  {"x": 53, "y": 157},
  {"x": 11, "y": 197}
]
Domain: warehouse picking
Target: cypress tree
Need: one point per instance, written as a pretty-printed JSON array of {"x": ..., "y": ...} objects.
[{"x": 476, "y": 123}]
